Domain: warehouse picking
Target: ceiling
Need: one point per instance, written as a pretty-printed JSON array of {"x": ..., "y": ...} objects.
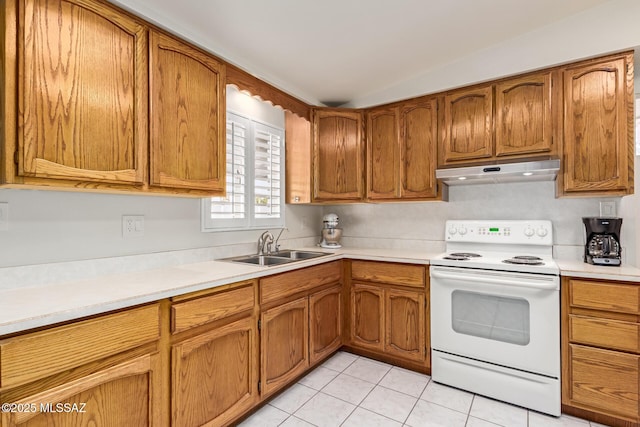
[{"x": 335, "y": 51}]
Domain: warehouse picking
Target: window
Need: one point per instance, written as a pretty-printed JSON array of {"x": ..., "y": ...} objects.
[{"x": 255, "y": 179}]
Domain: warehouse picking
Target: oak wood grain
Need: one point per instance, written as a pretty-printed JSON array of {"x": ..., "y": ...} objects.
[
  {"x": 215, "y": 375},
  {"x": 383, "y": 153},
  {"x": 325, "y": 323},
  {"x": 418, "y": 148},
  {"x": 603, "y": 295},
  {"x": 82, "y": 92},
  {"x": 298, "y": 158},
  {"x": 524, "y": 120},
  {"x": 597, "y": 140},
  {"x": 120, "y": 395},
  {"x": 188, "y": 122},
  {"x": 607, "y": 333},
  {"x": 23, "y": 359},
  {"x": 367, "y": 316},
  {"x": 388, "y": 272},
  {"x": 405, "y": 324},
  {"x": 338, "y": 155},
  {"x": 605, "y": 380},
  {"x": 468, "y": 125},
  {"x": 280, "y": 286},
  {"x": 284, "y": 344},
  {"x": 185, "y": 315}
]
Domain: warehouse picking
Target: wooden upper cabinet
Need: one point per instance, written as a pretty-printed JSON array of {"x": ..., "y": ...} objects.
[
  {"x": 524, "y": 124},
  {"x": 338, "y": 155},
  {"x": 383, "y": 154},
  {"x": 401, "y": 151},
  {"x": 82, "y": 92},
  {"x": 468, "y": 125},
  {"x": 297, "y": 158},
  {"x": 418, "y": 145},
  {"x": 188, "y": 122},
  {"x": 598, "y": 127}
]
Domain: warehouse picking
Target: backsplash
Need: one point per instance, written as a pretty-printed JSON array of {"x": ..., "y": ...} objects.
[{"x": 421, "y": 225}]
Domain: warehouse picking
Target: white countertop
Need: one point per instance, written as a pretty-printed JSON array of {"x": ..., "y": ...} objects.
[{"x": 25, "y": 308}]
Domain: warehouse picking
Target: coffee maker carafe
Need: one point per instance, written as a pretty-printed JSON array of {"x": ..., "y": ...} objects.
[{"x": 603, "y": 241}]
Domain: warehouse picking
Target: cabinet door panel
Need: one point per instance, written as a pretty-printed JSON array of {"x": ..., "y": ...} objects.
[
  {"x": 325, "y": 323},
  {"x": 215, "y": 375},
  {"x": 468, "y": 120},
  {"x": 82, "y": 93},
  {"x": 188, "y": 127},
  {"x": 284, "y": 344},
  {"x": 123, "y": 395},
  {"x": 367, "y": 316},
  {"x": 606, "y": 380},
  {"x": 382, "y": 150},
  {"x": 338, "y": 159},
  {"x": 523, "y": 115},
  {"x": 405, "y": 324},
  {"x": 418, "y": 143},
  {"x": 596, "y": 134}
]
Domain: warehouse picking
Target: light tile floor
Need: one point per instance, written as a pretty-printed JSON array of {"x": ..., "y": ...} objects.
[{"x": 353, "y": 391}]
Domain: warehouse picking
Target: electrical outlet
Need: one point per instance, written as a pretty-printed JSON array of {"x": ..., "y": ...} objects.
[
  {"x": 132, "y": 226},
  {"x": 4, "y": 216},
  {"x": 608, "y": 209}
]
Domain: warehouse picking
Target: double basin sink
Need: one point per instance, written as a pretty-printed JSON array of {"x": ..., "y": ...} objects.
[{"x": 276, "y": 258}]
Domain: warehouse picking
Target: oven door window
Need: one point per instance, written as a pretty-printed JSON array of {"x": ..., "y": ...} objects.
[{"x": 492, "y": 317}]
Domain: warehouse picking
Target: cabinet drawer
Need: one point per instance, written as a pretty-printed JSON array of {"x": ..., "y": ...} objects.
[
  {"x": 604, "y": 379},
  {"x": 283, "y": 285},
  {"x": 606, "y": 296},
  {"x": 40, "y": 354},
  {"x": 187, "y": 314},
  {"x": 385, "y": 272},
  {"x": 613, "y": 334}
]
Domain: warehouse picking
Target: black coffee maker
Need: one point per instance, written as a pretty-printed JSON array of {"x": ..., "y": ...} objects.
[{"x": 603, "y": 241}]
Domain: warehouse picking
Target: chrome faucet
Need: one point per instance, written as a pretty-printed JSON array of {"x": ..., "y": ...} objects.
[{"x": 264, "y": 242}]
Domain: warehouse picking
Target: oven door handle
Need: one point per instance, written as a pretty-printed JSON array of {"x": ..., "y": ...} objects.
[{"x": 537, "y": 284}]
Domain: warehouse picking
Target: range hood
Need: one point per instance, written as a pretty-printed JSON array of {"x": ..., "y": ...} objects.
[{"x": 545, "y": 170}]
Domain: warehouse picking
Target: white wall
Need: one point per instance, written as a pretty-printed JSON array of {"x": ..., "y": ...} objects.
[
  {"x": 53, "y": 226},
  {"x": 609, "y": 27},
  {"x": 420, "y": 225}
]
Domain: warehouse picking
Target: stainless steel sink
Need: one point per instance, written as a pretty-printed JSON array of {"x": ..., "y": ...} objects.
[
  {"x": 298, "y": 255},
  {"x": 276, "y": 258}
]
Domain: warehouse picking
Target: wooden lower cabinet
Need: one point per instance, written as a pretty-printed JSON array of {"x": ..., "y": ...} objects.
[
  {"x": 600, "y": 351},
  {"x": 284, "y": 344},
  {"x": 367, "y": 316},
  {"x": 215, "y": 375},
  {"x": 604, "y": 380},
  {"x": 325, "y": 323},
  {"x": 389, "y": 311},
  {"x": 405, "y": 325},
  {"x": 122, "y": 395}
]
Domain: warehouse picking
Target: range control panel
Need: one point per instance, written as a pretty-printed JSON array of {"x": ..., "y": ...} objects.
[{"x": 537, "y": 232}]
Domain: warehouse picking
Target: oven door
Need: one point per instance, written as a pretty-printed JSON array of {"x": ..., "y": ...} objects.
[{"x": 504, "y": 318}]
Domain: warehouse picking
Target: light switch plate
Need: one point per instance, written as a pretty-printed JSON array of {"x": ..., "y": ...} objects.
[{"x": 607, "y": 209}]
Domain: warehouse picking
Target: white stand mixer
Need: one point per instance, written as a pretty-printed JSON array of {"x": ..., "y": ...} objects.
[{"x": 330, "y": 232}]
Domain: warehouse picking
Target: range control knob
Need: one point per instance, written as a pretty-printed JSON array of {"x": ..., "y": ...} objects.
[
  {"x": 452, "y": 230},
  {"x": 541, "y": 231},
  {"x": 529, "y": 231},
  {"x": 462, "y": 230}
]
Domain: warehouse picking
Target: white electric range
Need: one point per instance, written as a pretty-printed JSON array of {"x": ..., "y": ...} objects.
[{"x": 495, "y": 312}]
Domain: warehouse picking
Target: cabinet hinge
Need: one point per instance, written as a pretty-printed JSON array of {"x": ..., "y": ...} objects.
[
  {"x": 259, "y": 386},
  {"x": 259, "y": 324},
  {"x": 16, "y": 157}
]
